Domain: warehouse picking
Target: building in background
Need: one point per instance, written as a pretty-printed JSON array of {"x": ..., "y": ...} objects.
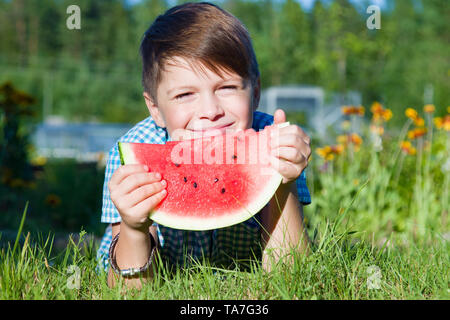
[
  {"x": 84, "y": 142},
  {"x": 321, "y": 112}
]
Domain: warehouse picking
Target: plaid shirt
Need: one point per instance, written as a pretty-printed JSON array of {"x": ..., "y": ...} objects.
[{"x": 222, "y": 246}]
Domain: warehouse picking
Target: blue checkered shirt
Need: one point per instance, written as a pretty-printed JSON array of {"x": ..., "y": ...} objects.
[{"x": 222, "y": 247}]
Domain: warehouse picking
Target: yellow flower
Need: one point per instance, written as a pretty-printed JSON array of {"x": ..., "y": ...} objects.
[
  {"x": 376, "y": 107},
  {"x": 361, "y": 110},
  {"x": 442, "y": 123},
  {"x": 356, "y": 139},
  {"x": 350, "y": 110},
  {"x": 420, "y": 122},
  {"x": 447, "y": 123},
  {"x": 429, "y": 108},
  {"x": 344, "y": 109},
  {"x": 411, "y": 113},
  {"x": 416, "y": 133},
  {"x": 380, "y": 113},
  {"x": 448, "y": 109},
  {"x": 337, "y": 149},
  {"x": 412, "y": 151},
  {"x": 321, "y": 152},
  {"x": 328, "y": 152},
  {"x": 325, "y": 153},
  {"x": 407, "y": 148},
  {"x": 438, "y": 122},
  {"x": 405, "y": 144},
  {"x": 352, "y": 138},
  {"x": 53, "y": 200},
  {"x": 387, "y": 114}
]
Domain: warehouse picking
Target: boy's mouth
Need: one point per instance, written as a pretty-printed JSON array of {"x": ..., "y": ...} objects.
[{"x": 215, "y": 130}]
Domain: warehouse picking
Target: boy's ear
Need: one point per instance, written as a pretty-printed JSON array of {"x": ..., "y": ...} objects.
[
  {"x": 256, "y": 94},
  {"x": 154, "y": 110}
]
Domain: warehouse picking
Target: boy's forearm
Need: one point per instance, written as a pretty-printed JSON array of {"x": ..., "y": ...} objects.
[
  {"x": 132, "y": 251},
  {"x": 283, "y": 225}
]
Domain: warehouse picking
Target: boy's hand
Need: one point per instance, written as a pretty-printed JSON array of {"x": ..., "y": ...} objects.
[
  {"x": 290, "y": 149},
  {"x": 135, "y": 192}
]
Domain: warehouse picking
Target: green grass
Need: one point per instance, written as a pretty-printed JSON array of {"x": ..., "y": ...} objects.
[
  {"x": 340, "y": 266},
  {"x": 378, "y": 222}
]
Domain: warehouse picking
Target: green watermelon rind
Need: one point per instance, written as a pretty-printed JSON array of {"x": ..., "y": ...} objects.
[
  {"x": 126, "y": 154},
  {"x": 200, "y": 224}
]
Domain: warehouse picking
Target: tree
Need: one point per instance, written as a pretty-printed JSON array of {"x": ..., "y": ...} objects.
[{"x": 295, "y": 53}]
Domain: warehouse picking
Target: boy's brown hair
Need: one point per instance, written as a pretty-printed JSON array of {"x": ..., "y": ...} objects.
[{"x": 197, "y": 32}]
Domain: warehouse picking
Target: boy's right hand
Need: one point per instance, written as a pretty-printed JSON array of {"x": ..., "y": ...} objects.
[{"x": 135, "y": 192}]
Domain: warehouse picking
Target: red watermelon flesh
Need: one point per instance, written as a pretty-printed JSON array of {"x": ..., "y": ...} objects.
[{"x": 212, "y": 182}]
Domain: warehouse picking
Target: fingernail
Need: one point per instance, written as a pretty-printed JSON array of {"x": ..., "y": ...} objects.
[
  {"x": 163, "y": 183},
  {"x": 158, "y": 175}
]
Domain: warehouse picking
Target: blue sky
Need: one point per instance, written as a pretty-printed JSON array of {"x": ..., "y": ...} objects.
[{"x": 307, "y": 4}]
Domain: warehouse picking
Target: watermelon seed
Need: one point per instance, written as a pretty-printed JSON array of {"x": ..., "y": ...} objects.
[
  {"x": 234, "y": 156},
  {"x": 195, "y": 184},
  {"x": 215, "y": 180},
  {"x": 185, "y": 179},
  {"x": 223, "y": 190},
  {"x": 177, "y": 165}
]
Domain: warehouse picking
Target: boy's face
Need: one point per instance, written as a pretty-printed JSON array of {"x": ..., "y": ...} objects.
[{"x": 190, "y": 100}]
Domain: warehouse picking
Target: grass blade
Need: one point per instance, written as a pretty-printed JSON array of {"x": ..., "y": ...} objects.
[{"x": 19, "y": 232}]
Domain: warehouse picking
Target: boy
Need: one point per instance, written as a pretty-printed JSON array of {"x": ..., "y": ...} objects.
[{"x": 199, "y": 74}]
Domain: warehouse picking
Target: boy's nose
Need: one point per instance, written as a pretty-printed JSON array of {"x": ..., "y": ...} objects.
[{"x": 209, "y": 107}]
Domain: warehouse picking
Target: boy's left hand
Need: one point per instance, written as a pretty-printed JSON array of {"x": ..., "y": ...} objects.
[{"x": 290, "y": 148}]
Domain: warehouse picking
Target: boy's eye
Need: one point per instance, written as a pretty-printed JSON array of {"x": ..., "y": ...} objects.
[
  {"x": 228, "y": 87},
  {"x": 182, "y": 95}
]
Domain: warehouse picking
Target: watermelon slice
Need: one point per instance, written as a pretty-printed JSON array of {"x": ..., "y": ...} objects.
[{"x": 212, "y": 182}]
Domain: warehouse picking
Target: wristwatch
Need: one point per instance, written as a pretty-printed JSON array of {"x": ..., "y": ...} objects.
[{"x": 130, "y": 271}]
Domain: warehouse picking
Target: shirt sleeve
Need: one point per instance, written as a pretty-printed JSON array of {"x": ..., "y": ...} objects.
[
  {"x": 109, "y": 211},
  {"x": 302, "y": 189}
]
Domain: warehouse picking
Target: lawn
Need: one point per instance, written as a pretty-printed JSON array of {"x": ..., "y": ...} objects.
[
  {"x": 378, "y": 223},
  {"x": 340, "y": 266}
]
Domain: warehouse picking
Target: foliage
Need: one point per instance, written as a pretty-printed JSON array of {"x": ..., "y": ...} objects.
[
  {"x": 15, "y": 106},
  {"x": 94, "y": 73},
  {"x": 65, "y": 197},
  {"x": 404, "y": 177},
  {"x": 340, "y": 266},
  {"x": 379, "y": 196}
]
